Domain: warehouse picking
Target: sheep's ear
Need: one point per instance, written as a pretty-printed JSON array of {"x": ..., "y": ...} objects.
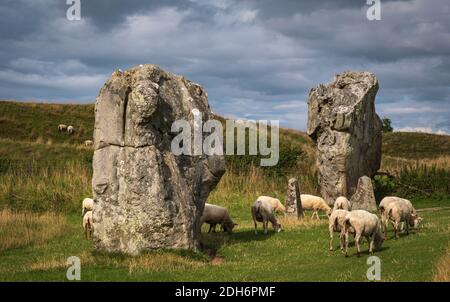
[{"x": 235, "y": 224}]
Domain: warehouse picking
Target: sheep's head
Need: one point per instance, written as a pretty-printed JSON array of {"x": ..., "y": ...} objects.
[
  {"x": 329, "y": 212},
  {"x": 229, "y": 226},
  {"x": 378, "y": 240},
  {"x": 415, "y": 220},
  {"x": 277, "y": 227}
]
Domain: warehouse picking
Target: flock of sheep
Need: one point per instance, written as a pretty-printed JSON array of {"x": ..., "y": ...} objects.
[
  {"x": 342, "y": 219},
  {"x": 70, "y": 130},
  {"x": 64, "y": 128}
]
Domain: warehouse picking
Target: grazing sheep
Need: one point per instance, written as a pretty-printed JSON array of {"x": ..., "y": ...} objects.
[
  {"x": 262, "y": 211},
  {"x": 336, "y": 224},
  {"x": 392, "y": 199},
  {"x": 342, "y": 203},
  {"x": 88, "y": 224},
  {"x": 62, "y": 127},
  {"x": 276, "y": 204},
  {"x": 314, "y": 203},
  {"x": 398, "y": 210},
  {"x": 88, "y": 143},
  {"x": 70, "y": 129},
  {"x": 87, "y": 205},
  {"x": 214, "y": 215},
  {"x": 364, "y": 224},
  {"x": 385, "y": 202}
]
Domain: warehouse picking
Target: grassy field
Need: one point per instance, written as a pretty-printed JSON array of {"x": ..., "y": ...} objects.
[{"x": 45, "y": 174}]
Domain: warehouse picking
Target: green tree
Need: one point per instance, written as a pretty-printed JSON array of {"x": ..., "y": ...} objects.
[{"x": 387, "y": 125}]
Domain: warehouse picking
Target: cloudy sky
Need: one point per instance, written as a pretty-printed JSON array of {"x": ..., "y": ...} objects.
[{"x": 256, "y": 59}]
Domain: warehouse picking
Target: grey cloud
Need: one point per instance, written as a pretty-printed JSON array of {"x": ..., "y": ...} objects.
[{"x": 257, "y": 59}]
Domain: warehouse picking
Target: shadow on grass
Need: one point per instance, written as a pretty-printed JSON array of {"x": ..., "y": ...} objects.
[
  {"x": 402, "y": 234},
  {"x": 365, "y": 252},
  {"x": 102, "y": 257},
  {"x": 212, "y": 242}
]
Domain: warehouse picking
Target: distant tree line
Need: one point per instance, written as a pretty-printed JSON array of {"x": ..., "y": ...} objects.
[{"x": 387, "y": 125}]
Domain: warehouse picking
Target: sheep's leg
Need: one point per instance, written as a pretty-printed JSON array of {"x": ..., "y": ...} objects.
[
  {"x": 384, "y": 224},
  {"x": 265, "y": 225},
  {"x": 358, "y": 250},
  {"x": 331, "y": 238},
  {"x": 395, "y": 225},
  {"x": 371, "y": 241},
  {"x": 407, "y": 227},
  {"x": 342, "y": 237},
  {"x": 214, "y": 227},
  {"x": 254, "y": 220},
  {"x": 315, "y": 213},
  {"x": 346, "y": 243}
]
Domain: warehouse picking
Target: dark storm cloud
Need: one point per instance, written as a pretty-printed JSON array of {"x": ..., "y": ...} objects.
[{"x": 257, "y": 59}]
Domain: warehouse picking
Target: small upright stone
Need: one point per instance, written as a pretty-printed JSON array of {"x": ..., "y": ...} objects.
[
  {"x": 293, "y": 201},
  {"x": 364, "y": 198}
]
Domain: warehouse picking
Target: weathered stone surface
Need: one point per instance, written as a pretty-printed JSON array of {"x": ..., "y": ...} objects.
[
  {"x": 145, "y": 196},
  {"x": 293, "y": 201},
  {"x": 343, "y": 123},
  {"x": 364, "y": 198}
]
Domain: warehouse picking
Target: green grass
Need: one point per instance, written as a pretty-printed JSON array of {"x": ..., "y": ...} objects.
[
  {"x": 34, "y": 121},
  {"x": 43, "y": 171},
  {"x": 297, "y": 254},
  {"x": 413, "y": 145}
]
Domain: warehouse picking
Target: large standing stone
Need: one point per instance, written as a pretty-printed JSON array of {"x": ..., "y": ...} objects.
[
  {"x": 145, "y": 196},
  {"x": 293, "y": 201},
  {"x": 343, "y": 123},
  {"x": 364, "y": 198}
]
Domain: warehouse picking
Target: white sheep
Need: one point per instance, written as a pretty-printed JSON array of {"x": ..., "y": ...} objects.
[
  {"x": 342, "y": 203},
  {"x": 62, "y": 127},
  {"x": 70, "y": 129},
  {"x": 276, "y": 204},
  {"x": 88, "y": 224},
  {"x": 336, "y": 224},
  {"x": 314, "y": 203},
  {"x": 88, "y": 143},
  {"x": 364, "y": 224},
  {"x": 392, "y": 199},
  {"x": 383, "y": 204},
  {"x": 398, "y": 210},
  {"x": 262, "y": 211},
  {"x": 87, "y": 205},
  {"x": 386, "y": 201},
  {"x": 214, "y": 215}
]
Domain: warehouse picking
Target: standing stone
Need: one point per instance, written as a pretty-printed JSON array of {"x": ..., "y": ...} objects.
[
  {"x": 343, "y": 123},
  {"x": 145, "y": 196},
  {"x": 364, "y": 198},
  {"x": 293, "y": 201}
]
